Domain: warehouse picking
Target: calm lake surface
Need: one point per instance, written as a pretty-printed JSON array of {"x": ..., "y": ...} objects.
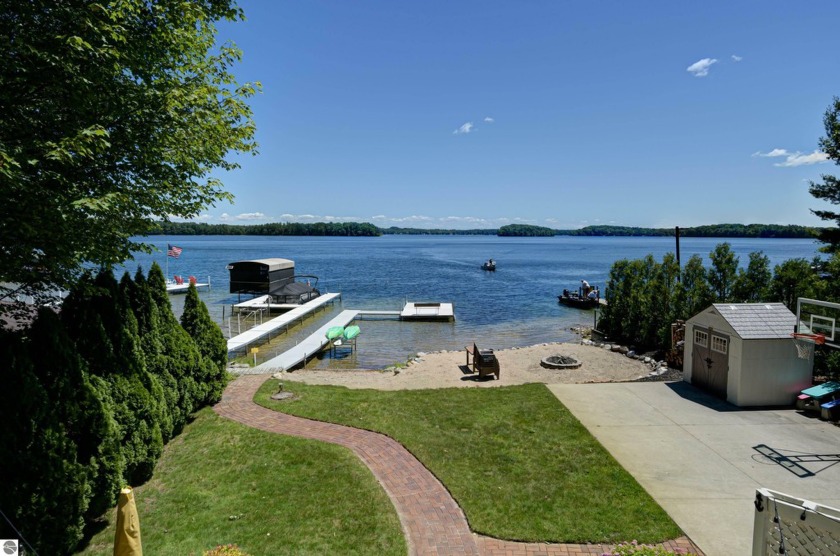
[{"x": 514, "y": 306}]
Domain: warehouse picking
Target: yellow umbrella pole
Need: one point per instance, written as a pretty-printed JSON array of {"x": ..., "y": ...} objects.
[{"x": 127, "y": 536}]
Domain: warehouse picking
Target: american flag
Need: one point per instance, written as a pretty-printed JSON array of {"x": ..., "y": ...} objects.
[{"x": 173, "y": 251}]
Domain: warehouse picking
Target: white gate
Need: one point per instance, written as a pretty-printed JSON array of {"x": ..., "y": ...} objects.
[{"x": 795, "y": 527}]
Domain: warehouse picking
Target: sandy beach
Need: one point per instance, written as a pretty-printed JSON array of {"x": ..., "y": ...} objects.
[{"x": 448, "y": 369}]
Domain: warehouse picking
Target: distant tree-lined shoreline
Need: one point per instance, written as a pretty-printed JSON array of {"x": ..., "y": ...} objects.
[{"x": 356, "y": 229}]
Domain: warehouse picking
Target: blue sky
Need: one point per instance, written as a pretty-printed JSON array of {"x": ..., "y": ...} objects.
[{"x": 476, "y": 114}]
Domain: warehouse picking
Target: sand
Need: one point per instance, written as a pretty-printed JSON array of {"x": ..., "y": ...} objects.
[{"x": 518, "y": 366}]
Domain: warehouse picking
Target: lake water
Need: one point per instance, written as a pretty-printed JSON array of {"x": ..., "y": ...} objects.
[{"x": 514, "y": 306}]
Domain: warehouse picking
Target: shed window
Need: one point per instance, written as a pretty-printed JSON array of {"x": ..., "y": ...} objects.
[
  {"x": 701, "y": 338},
  {"x": 719, "y": 344}
]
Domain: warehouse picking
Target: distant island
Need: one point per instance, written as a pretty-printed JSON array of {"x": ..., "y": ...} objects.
[{"x": 361, "y": 229}]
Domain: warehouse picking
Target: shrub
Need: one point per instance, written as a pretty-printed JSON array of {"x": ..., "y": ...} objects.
[
  {"x": 635, "y": 549},
  {"x": 226, "y": 550}
]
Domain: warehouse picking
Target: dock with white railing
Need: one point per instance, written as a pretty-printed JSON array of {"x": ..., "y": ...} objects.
[
  {"x": 263, "y": 303},
  {"x": 265, "y": 330},
  {"x": 318, "y": 341}
]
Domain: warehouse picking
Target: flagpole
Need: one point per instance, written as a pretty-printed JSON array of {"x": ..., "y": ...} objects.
[{"x": 166, "y": 277}]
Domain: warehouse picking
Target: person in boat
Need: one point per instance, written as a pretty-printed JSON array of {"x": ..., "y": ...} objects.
[
  {"x": 565, "y": 293},
  {"x": 593, "y": 294},
  {"x": 584, "y": 288}
]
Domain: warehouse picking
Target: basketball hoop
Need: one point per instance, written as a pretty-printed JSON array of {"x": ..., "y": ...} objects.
[{"x": 805, "y": 343}]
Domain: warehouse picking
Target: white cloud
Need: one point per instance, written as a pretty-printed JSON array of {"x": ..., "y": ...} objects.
[
  {"x": 774, "y": 152},
  {"x": 464, "y": 129},
  {"x": 489, "y": 120},
  {"x": 736, "y": 58},
  {"x": 224, "y": 217},
  {"x": 250, "y": 216},
  {"x": 795, "y": 159},
  {"x": 700, "y": 68},
  {"x": 799, "y": 159}
]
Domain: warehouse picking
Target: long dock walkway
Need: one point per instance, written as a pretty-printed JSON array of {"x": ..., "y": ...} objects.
[
  {"x": 305, "y": 349},
  {"x": 242, "y": 341}
]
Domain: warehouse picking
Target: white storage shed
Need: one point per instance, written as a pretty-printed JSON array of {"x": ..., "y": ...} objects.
[{"x": 744, "y": 353}]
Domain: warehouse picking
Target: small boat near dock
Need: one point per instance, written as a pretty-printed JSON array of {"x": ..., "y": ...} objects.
[
  {"x": 572, "y": 299},
  {"x": 586, "y": 297}
]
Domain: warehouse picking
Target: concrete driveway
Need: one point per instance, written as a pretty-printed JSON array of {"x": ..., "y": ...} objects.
[{"x": 702, "y": 459}]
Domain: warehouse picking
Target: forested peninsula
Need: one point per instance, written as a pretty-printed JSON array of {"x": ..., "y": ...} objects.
[{"x": 357, "y": 229}]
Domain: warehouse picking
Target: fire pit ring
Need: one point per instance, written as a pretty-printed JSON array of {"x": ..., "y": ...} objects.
[{"x": 560, "y": 362}]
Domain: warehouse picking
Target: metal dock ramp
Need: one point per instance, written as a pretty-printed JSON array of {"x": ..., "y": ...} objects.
[
  {"x": 242, "y": 341},
  {"x": 307, "y": 348}
]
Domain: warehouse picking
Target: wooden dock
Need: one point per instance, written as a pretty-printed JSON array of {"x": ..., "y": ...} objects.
[
  {"x": 305, "y": 349},
  {"x": 264, "y": 330}
]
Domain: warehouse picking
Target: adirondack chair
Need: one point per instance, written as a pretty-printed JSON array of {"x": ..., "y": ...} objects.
[
  {"x": 483, "y": 360},
  {"x": 178, "y": 280}
]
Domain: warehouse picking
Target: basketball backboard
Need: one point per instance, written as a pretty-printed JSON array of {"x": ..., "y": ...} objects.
[{"x": 814, "y": 316}]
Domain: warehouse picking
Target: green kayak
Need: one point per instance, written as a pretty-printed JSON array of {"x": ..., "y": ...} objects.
[
  {"x": 335, "y": 332},
  {"x": 351, "y": 332}
]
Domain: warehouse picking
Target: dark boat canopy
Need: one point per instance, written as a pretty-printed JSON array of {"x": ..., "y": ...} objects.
[{"x": 261, "y": 276}]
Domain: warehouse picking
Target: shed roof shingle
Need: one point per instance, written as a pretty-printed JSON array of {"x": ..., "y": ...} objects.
[{"x": 758, "y": 320}]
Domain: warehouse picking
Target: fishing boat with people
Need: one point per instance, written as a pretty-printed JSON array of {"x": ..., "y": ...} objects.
[
  {"x": 586, "y": 296},
  {"x": 490, "y": 265}
]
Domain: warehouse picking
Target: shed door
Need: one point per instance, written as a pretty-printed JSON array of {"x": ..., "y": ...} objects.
[{"x": 710, "y": 361}]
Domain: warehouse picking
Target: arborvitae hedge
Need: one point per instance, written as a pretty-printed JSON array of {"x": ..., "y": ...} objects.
[
  {"x": 95, "y": 393},
  {"x": 211, "y": 343}
]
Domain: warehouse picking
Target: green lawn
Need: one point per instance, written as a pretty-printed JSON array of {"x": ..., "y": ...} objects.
[
  {"x": 519, "y": 464},
  {"x": 221, "y": 482}
]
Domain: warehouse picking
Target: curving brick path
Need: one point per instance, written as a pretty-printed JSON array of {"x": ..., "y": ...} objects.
[{"x": 431, "y": 519}]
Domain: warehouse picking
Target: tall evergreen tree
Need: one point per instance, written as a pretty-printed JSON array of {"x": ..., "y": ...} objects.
[
  {"x": 793, "y": 279},
  {"x": 178, "y": 353},
  {"x": 145, "y": 313},
  {"x": 696, "y": 293},
  {"x": 211, "y": 343},
  {"x": 723, "y": 272},
  {"x": 105, "y": 331},
  {"x": 45, "y": 490},
  {"x": 829, "y": 189},
  {"x": 665, "y": 305},
  {"x": 753, "y": 284}
]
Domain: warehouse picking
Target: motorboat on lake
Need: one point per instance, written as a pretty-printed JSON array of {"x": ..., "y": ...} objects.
[
  {"x": 585, "y": 297},
  {"x": 490, "y": 264}
]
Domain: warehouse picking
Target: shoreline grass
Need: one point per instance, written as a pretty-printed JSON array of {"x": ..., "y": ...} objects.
[
  {"x": 516, "y": 460},
  {"x": 221, "y": 482}
]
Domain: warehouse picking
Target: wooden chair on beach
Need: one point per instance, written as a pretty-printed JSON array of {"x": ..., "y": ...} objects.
[{"x": 483, "y": 360}]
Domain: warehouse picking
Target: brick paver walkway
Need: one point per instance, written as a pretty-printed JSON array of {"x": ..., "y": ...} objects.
[{"x": 431, "y": 519}]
